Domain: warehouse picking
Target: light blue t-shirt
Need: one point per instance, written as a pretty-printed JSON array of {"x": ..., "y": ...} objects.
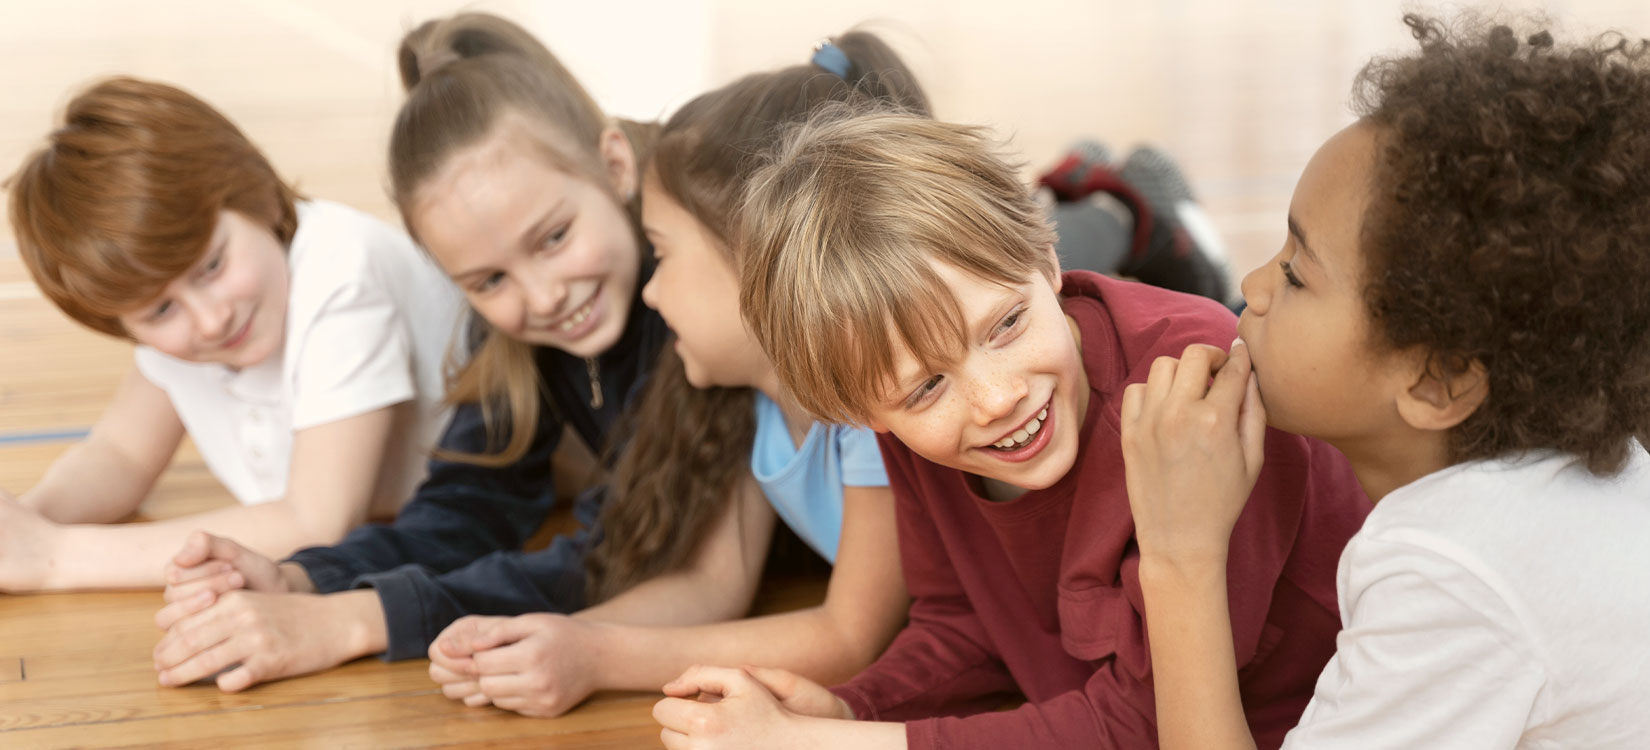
[{"x": 804, "y": 484}]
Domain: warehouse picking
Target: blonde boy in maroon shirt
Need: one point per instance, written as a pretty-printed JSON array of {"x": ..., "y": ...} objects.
[{"x": 899, "y": 276}]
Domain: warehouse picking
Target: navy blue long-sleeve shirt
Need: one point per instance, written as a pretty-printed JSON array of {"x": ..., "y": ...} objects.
[{"x": 454, "y": 549}]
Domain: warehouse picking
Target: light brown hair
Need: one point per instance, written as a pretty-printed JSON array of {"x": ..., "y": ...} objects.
[
  {"x": 466, "y": 77},
  {"x": 676, "y": 476},
  {"x": 839, "y": 230},
  {"x": 126, "y": 194}
]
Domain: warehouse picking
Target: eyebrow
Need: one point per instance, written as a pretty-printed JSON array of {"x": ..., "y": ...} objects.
[
  {"x": 1300, "y": 239},
  {"x": 527, "y": 239}
]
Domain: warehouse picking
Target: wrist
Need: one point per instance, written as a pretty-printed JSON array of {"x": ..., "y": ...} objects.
[
  {"x": 362, "y": 617},
  {"x": 1182, "y": 571},
  {"x": 296, "y": 578}
]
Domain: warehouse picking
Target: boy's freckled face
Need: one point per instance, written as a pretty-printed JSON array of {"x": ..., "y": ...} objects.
[
  {"x": 1010, "y": 408},
  {"x": 1306, "y": 326},
  {"x": 229, "y": 308}
]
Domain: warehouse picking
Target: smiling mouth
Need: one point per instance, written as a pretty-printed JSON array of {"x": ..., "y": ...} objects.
[
  {"x": 239, "y": 336},
  {"x": 576, "y": 318},
  {"x": 1022, "y": 436}
]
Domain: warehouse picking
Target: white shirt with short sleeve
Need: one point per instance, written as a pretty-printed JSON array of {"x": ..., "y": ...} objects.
[
  {"x": 369, "y": 320},
  {"x": 1494, "y": 604}
]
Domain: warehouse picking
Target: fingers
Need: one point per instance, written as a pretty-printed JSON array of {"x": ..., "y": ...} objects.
[
  {"x": 201, "y": 664},
  {"x": 178, "y": 576},
  {"x": 1232, "y": 379},
  {"x": 1252, "y": 427},
  {"x": 1198, "y": 363},
  {"x": 1160, "y": 379},
  {"x": 510, "y": 658},
  {"x": 197, "y": 548},
  {"x": 719, "y": 680},
  {"x": 782, "y": 683},
  {"x": 228, "y": 579},
  {"x": 468, "y": 635},
  {"x": 682, "y": 715},
  {"x": 445, "y": 671},
  {"x": 242, "y": 677},
  {"x": 460, "y": 691},
  {"x": 183, "y": 609}
]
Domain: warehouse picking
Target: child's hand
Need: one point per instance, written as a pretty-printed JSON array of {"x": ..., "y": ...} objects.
[
  {"x": 28, "y": 541},
  {"x": 1193, "y": 450},
  {"x": 536, "y": 665},
  {"x": 250, "y": 637},
  {"x": 737, "y": 709},
  {"x": 217, "y": 564}
]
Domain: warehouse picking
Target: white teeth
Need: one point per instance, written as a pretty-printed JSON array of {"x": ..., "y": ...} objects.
[
  {"x": 576, "y": 318},
  {"x": 1020, "y": 436}
]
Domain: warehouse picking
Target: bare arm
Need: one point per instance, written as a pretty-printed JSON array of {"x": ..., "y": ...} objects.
[
  {"x": 105, "y": 477},
  {"x": 334, "y": 477},
  {"x": 719, "y": 584},
  {"x": 864, "y": 606}
]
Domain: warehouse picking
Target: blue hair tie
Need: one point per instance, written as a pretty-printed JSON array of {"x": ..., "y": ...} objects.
[{"x": 832, "y": 59}]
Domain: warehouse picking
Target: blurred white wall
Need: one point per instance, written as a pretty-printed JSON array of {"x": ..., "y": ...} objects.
[{"x": 1241, "y": 92}]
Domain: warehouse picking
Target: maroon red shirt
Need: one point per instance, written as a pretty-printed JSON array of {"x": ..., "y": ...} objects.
[{"x": 1041, "y": 595}]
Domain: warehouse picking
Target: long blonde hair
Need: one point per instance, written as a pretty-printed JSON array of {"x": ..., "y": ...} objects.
[{"x": 465, "y": 76}]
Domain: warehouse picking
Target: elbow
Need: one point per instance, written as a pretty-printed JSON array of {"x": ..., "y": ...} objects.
[{"x": 318, "y": 530}]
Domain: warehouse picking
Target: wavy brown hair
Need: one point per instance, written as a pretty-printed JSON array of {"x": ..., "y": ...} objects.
[
  {"x": 1511, "y": 227},
  {"x": 125, "y": 195},
  {"x": 679, "y": 472},
  {"x": 466, "y": 76}
]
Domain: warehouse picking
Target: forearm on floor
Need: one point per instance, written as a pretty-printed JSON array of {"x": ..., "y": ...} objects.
[
  {"x": 89, "y": 483},
  {"x": 806, "y": 642},
  {"x": 135, "y": 555}
]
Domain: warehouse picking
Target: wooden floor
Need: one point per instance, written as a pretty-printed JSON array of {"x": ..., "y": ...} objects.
[
  {"x": 1240, "y": 92},
  {"x": 76, "y": 669}
]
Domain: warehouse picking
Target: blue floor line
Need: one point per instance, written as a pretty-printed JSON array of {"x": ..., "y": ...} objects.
[{"x": 42, "y": 436}]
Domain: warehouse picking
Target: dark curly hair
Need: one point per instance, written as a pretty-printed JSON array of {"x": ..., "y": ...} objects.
[{"x": 1510, "y": 225}]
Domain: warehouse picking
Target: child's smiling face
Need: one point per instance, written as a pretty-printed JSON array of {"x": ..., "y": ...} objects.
[
  {"x": 1011, "y": 405},
  {"x": 1307, "y": 326},
  {"x": 229, "y": 308}
]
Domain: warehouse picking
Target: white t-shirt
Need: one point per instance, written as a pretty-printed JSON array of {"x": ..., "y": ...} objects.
[
  {"x": 368, "y": 322},
  {"x": 1495, "y": 604}
]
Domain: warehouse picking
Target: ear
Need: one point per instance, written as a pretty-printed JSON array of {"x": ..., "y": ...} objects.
[
  {"x": 1438, "y": 402},
  {"x": 619, "y": 159},
  {"x": 1054, "y": 263}
]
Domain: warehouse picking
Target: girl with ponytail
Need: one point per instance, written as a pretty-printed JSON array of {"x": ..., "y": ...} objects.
[
  {"x": 825, "y": 481},
  {"x": 525, "y": 193}
]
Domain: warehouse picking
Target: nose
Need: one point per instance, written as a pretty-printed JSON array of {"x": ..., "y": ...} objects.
[
  {"x": 649, "y": 296},
  {"x": 1257, "y": 289},
  {"x": 995, "y": 394},
  {"x": 212, "y": 316},
  {"x": 545, "y": 293}
]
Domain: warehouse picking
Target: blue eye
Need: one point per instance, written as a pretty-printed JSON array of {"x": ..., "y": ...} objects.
[
  {"x": 1012, "y": 320},
  {"x": 492, "y": 280}
]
